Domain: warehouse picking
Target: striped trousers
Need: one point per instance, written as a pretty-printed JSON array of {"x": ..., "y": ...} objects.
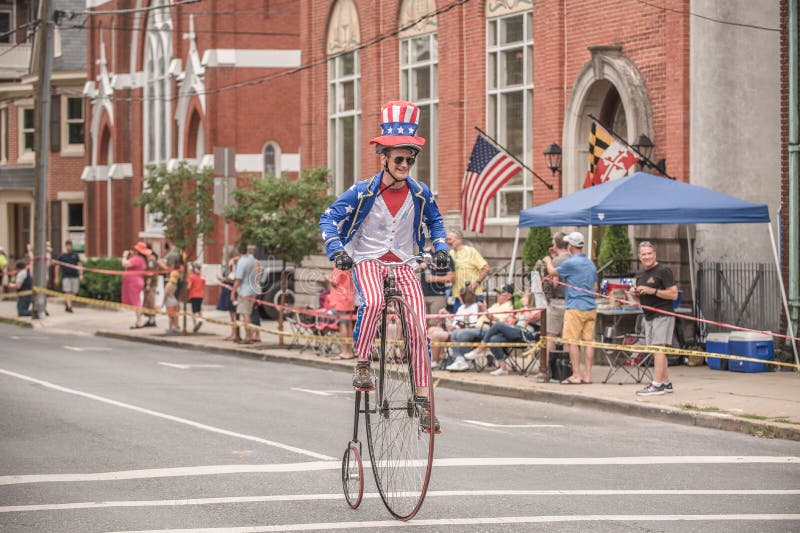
[{"x": 368, "y": 277}]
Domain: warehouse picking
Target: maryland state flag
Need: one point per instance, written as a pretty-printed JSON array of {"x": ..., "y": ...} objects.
[{"x": 608, "y": 158}]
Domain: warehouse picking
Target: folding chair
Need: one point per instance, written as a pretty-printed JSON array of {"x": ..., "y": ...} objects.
[
  {"x": 303, "y": 326},
  {"x": 327, "y": 329},
  {"x": 637, "y": 365},
  {"x": 520, "y": 359}
]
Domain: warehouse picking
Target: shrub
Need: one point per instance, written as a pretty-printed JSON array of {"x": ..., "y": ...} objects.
[
  {"x": 615, "y": 247},
  {"x": 538, "y": 241},
  {"x": 99, "y": 286}
]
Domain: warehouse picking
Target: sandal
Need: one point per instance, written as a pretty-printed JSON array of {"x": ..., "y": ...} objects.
[
  {"x": 136, "y": 327},
  {"x": 571, "y": 381}
]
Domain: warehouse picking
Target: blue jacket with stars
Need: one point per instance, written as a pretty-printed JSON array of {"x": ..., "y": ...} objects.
[{"x": 340, "y": 222}]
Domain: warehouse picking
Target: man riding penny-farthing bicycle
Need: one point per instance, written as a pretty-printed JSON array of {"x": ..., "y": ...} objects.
[{"x": 374, "y": 228}]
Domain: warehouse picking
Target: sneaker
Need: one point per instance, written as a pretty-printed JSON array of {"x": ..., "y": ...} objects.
[
  {"x": 652, "y": 390},
  {"x": 542, "y": 377},
  {"x": 476, "y": 353},
  {"x": 459, "y": 365},
  {"x": 667, "y": 387},
  {"x": 197, "y": 327},
  {"x": 500, "y": 371},
  {"x": 362, "y": 377},
  {"x": 68, "y": 309},
  {"x": 425, "y": 420}
]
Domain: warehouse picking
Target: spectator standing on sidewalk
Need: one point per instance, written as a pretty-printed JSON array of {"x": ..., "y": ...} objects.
[
  {"x": 24, "y": 283},
  {"x": 558, "y": 253},
  {"x": 171, "y": 302},
  {"x": 580, "y": 274},
  {"x": 150, "y": 288},
  {"x": 471, "y": 267},
  {"x": 656, "y": 287},
  {"x": 197, "y": 291},
  {"x": 70, "y": 277},
  {"x": 3, "y": 270},
  {"x": 244, "y": 290},
  {"x": 135, "y": 263},
  {"x": 225, "y": 302}
]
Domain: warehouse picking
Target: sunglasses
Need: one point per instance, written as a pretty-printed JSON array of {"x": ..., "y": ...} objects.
[{"x": 399, "y": 160}]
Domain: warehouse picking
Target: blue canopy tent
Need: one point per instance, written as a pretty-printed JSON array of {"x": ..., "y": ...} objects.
[{"x": 643, "y": 198}]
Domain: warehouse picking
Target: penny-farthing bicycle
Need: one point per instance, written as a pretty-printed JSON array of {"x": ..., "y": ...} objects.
[{"x": 401, "y": 452}]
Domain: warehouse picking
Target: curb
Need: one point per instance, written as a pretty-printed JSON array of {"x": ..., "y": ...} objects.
[
  {"x": 16, "y": 322},
  {"x": 674, "y": 415}
]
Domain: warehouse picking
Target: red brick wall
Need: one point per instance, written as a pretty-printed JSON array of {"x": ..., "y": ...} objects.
[{"x": 655, "y": 40}]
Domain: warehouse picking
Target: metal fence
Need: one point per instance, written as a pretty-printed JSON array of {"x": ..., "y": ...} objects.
[{"x": 742, "y": 294}]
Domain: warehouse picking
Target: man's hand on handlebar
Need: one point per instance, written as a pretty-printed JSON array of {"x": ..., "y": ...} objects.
[
  {"x": 342, "y": 260},
  {"x": 441, "y": 259}
]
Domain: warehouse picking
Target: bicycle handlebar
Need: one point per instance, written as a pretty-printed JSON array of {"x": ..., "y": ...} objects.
[{"x": 421, "y": 257}]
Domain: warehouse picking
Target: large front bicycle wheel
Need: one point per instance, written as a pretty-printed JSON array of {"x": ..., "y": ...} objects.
[{"x": 400, "y": 451}]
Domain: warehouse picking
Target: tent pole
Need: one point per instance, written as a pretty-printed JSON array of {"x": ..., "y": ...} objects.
[
  {"x": 589, "y": 244},
  {"x": 513, "y": 258},
  {"x": 691, "y": 264},
  {"x": 783, "y": 294}
]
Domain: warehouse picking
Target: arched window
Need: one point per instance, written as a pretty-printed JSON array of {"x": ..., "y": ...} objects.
[
  {"x": 419, "y": 80},
  {"x": 157, "y": 88},
  {"x": 344, "y": 95},
  {"x": 272, "y": 159},
  {"x": 509, "y": 106}
]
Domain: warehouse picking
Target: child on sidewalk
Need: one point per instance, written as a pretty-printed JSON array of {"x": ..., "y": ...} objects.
[
  {"x": 171, "y": 302},
  {"x": 197, "y": 289}
]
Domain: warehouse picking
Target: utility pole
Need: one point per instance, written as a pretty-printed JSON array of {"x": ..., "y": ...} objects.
[{"x": 44, "y": 72}]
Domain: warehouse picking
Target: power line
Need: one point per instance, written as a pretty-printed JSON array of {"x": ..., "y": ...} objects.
[
  {"x": 30, "y": 34},
  {"x": 711, "y": 19},
  {"x": 310, "y": 64},
  {"x": 173, "y": 30},
  {"x": 30, "y": 24}
]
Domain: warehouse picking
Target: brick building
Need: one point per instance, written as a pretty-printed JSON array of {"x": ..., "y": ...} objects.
[
  {"x": 170, "y": 83},
  {"x": 18, "y": 119}
]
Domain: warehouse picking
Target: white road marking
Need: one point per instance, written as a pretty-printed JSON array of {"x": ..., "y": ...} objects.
[
  {"x": 430, "y": 494},
  {"x": 188, "y": 367},
  {"x": 87, "y": 348},
  {"x": 491, "y": 425},
  {"x": 336, "y": 464},
  {"x": 448, "y": 522},
  {"x": 309, "y": 391},
  {"x": 166, "y": 416}
]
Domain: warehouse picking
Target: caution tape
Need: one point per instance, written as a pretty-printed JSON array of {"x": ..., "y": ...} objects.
[{"x": 15, "y": 295}]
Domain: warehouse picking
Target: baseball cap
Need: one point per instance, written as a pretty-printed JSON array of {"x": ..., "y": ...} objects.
[
  {"x": 509, "y": 288},
  {"x": 575, "y": 239}
]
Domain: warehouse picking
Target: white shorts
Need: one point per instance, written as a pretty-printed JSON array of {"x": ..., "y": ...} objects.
[
  {"x": 658, "y": 330},
  {"x": 70, "y": 285}
]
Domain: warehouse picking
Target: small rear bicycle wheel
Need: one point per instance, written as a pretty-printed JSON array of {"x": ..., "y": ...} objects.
[
  {"x": 400, "y": 451},
  {"x": 352, "y": 476}
]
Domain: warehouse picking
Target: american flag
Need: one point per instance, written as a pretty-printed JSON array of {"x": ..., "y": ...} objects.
[{"x": 488, "y": 170}]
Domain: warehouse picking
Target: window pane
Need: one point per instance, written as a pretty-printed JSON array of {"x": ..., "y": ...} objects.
[
  {"x": 492, "y": 71},
  {"x": 346, "y": 65},
  {"x": 512, "y": 134},
  {"x": 347, "y": 96},
  {"x": 434, "y": 47},
  {"x": 269, "y": 160},
  {"x": 75, "y": 215},
  {"x": 75, "y": 133},
  {"x": 529, "y": 65},
  {"x": 74, "y": 108},
  {"x": 404, "y": 52},
  {"x": 421, "y": 49},
  {"x": 27, "y": 119},
  {"x": 491, "y": 125},
  {"x": 422, "y": 168},
  {"x": 529, "y": 26},
  {"x": 29, "y": 141},
  {"x": 492, "y": 33},
  {"x": 404, "y": 86},
  {"x": 423, "y": 83},
  {"x": 512, "y": 204},
  {"x": 511, "y": 30},
  {"x": 435, "y": 84},
  {"x": 513, "y": 67},
  {"x": 5, "y": 26},
  {"x": 346, "y": 150}
]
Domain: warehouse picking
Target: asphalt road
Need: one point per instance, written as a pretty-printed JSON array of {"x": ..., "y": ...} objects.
[{"x": 106, "y": 435}]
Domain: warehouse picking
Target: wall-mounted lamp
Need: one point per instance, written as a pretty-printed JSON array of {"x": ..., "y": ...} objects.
[
  {"x": 552, "y": 156},
  {"x": 644, "y": 146}
]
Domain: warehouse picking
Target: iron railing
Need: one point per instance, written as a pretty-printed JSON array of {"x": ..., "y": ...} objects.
[{"x": 742, "y": 294}]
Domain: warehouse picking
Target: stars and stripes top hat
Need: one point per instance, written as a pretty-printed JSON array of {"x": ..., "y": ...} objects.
[{"x": 399, "y": 123}]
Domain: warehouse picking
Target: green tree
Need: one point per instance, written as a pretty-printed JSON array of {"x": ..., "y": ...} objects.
[
  {"x": 182, "y": 200},
  {"x": 615, "y": 247},
  {"x": 282, "y": 215},
  {"x": 537, "y": 243}
]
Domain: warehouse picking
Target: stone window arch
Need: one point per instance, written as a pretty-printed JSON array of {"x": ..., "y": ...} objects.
[{"x": 611, "y": 88}]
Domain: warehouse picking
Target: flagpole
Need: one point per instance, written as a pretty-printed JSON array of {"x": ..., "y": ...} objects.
[
  {"x": 643, "y": 157},
  {"x": 515, "y": 158}
]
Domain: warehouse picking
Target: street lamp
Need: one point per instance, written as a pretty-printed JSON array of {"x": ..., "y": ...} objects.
[
  {"x": 552, "y": 156},
  {"x": 644, "y": 146}
]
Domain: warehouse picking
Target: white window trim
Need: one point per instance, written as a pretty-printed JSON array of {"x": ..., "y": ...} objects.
[
  {"x": 24, "y": 155},
  {"x": 67, "y": 149},
  {"x": 3, "y": 135},
  {"x": 432, "y": 142},
  {"x": 527, "y": 142},
  {"x": 335, "y": 120},
  {"x": 278, "y": 167}
]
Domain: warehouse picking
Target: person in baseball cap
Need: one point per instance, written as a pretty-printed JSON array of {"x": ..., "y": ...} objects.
[
  {"x": 507, "y": 288},
  {"x": 575, "y": 239}
]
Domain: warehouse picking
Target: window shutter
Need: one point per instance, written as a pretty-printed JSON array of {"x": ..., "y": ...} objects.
[{"x": 55, "y": 123}]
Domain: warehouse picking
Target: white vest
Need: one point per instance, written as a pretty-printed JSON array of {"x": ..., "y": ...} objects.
[{"x": 380, "y": 232}]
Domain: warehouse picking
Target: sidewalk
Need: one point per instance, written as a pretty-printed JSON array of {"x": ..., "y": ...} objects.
[{"x": 764, "y": 404}]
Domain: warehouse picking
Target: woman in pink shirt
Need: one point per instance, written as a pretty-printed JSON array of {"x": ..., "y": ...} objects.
[{"x": 341, "y": 300}]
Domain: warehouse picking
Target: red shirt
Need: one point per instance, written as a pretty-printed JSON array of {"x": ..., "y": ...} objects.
[
  {"x": 197, "y": 286},
  {"x": 394, "y": 198}
]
